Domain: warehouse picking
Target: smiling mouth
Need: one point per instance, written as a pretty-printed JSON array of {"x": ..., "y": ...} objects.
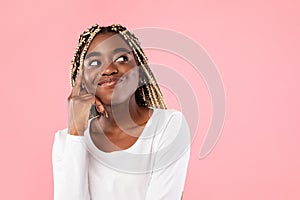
[{"x": 110, "y": 82}]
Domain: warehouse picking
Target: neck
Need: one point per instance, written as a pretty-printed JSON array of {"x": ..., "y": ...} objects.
[{"x": 124, "y": 116}]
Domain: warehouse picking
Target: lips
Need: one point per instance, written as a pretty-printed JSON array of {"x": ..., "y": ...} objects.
[{"x": 110, "y": 81}]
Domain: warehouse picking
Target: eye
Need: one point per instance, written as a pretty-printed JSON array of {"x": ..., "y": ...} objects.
[
  {"x": 94, "y": 63},
  {"x": 122, "y": 59}
]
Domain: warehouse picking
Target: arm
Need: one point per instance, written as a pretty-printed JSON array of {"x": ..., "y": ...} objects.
[
  {"x": 70, "y": 167},
  {"x": 170, "y": 165}
]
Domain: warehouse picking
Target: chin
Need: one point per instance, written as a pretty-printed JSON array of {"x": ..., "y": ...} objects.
[{"x": 116, "y": 100}]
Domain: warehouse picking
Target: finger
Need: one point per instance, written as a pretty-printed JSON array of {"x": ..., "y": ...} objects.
[
  {"x": 84, "y": 99},
  {"x": 83, "y": 91},
  {"x": 70, "y": 96},
  {"x": 77, "y": 87}
]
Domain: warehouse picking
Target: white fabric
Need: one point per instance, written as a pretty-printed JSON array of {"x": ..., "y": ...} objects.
[{"x": 153, "y": 168}]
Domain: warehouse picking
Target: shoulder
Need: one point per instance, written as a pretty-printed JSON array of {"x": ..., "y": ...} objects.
[
  {"x": 168, "y": 113},
  {"x": 171, "y": 117},
  {"x": 172, "y": 127},
  {"x": 62, "y": 133}
]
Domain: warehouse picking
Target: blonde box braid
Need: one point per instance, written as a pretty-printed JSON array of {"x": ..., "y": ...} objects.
[{"x": 148, "y": 93}]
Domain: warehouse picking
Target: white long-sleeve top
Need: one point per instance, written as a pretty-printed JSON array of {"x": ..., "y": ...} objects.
[{"x": 153, "y": 168}]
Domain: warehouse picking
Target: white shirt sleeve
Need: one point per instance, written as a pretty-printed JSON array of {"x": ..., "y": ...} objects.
[
  {"x": 70, "y": 167},
  {"x": 171, "y": 161}
]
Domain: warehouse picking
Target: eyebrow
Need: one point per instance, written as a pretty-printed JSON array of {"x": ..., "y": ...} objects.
[
  {"x": 117, "y": 50},
  {"x": 94, "y": 53}
]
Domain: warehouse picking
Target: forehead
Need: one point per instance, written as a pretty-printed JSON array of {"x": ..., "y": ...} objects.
[{"x": 107, "y": 42}]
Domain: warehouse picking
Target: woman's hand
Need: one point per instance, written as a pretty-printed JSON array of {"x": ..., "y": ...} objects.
[{"x": 79, "y": 105}]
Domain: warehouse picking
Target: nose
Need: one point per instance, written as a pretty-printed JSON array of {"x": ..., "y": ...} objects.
[{"x": 110, "y": 69}]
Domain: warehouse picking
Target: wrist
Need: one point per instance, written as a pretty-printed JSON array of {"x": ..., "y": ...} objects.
[{"x": 75, "y": 132}]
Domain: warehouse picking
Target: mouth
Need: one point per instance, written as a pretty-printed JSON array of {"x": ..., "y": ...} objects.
[{"x": 110, "y": 82}]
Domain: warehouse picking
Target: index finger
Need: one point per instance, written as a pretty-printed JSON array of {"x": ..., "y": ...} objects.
[{"x": 77, "y": 87}]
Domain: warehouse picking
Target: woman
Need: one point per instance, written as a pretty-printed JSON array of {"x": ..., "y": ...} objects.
[{"x": 121, "y": 142}]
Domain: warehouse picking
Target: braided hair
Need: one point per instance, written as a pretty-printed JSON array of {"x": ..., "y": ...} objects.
[{"x": 148, "y": 94}]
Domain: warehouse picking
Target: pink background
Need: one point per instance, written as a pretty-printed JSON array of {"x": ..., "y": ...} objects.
[{"x": 255, "y": 45}]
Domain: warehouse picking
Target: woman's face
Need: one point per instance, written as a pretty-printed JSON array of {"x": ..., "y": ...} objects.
[{"x": 110, "y": 70}]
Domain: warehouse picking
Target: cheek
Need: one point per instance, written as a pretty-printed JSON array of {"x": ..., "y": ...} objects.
[
  {"x": 90, "y": 80},
  {"x": 128, "y": 87},
  {"x": 87, "y": 78},
  {"x": 131, "y": 81}
]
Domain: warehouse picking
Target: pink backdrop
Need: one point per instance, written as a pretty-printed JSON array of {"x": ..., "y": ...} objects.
[{"x": 255, "y": 45}]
